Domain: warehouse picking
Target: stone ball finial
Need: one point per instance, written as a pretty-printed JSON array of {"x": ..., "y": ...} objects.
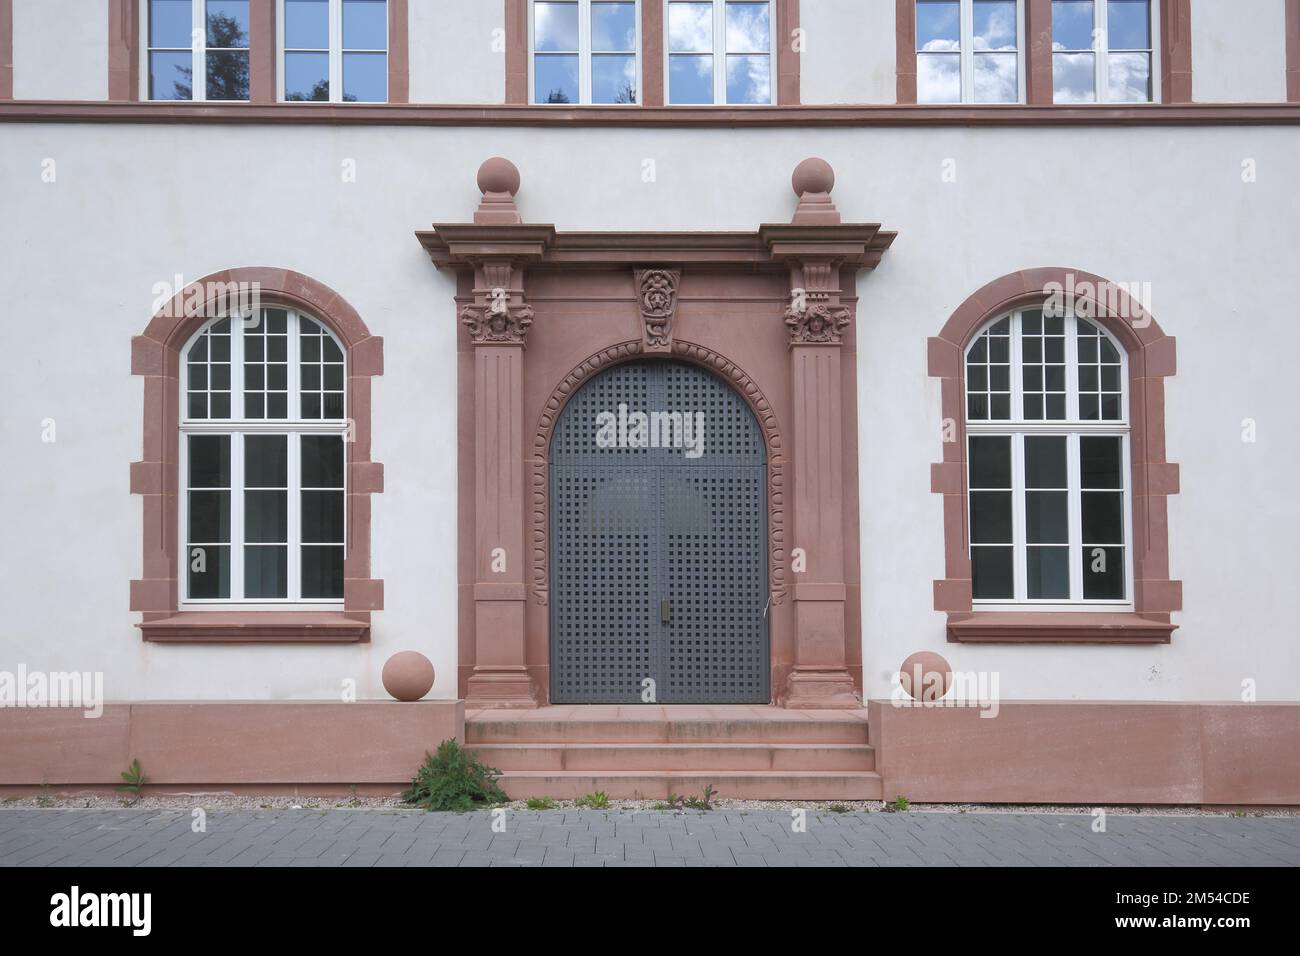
[
  {"x": 813, "y": 175},
  {"x": 498, "y": 175},
  {"x": 408, "y": 675},
  {"x": 925, "y": 676}
]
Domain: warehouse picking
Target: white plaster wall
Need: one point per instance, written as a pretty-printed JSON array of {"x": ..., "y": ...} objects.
[
  {"x": 134, "y": 204},
  {"x": 1238, "y": 51},
  {"x": 850, "y": 53},
  {"x": 457, "y": 51},
  {"x": 60, "y": 50}
]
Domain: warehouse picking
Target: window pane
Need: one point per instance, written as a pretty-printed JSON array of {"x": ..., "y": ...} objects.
[
  {"x": 1072, "y": 24},
  {"x": 266, "y": 461},
  {"x": 266, "y": 572},
  {"x": 938, "y": 78},
  {"x": 991, "y": 574},
  {"x": 208, "y": 569},
  {"x": 365, "y": 24},
  {"x": 1047, "y": 517},
  {"x": 227, "y": 24},
  {"x": 322, "y": 517},
  {"x": 748, "y": 28},
  {"x": 938, "y": 25},
  {"x": 555, "y": 78},
  {"x": 990, "y": 517},
  {"x": 322, "y": 461},
  {"x": 171, "y": 23},
  {"x": 209, "y": 517},
  {"x": 990, "y": 462},
  {"x": 996, "y": 79},
  {"x": 995, "y": 25},
  {"x": 209, "y": 464},
  {"x": 306, "y": 24},
  {"x": 690, "y": 27},
  {"x": 171, "y": 76},
  {"x": 365, "y": 77},
  {"x": 555, "y": 27},
  {"x": 1047, "y": 573},
  {"x": 1102, "y": 517},
  {"x": 1129, "y": 77},
  {"x": 266, "y": 516},
  {"x": 322, "y": 572},
  {"x": 1101, "y": 462},
  {"x": 227, "y": 75},
  {"x": 690, "y": 79},
  {"x": 1073, "y": 78},
  {"x": 613, "y": 79},
  {"x": 613, "y": 27},
  {"x": 1128, "y": 23},
  {"x": 748, "y": 79},
  {"x": 1103, "y": 574},
  {"x": 306, "y": 77},
  {"x": 1045, "y": 465}
]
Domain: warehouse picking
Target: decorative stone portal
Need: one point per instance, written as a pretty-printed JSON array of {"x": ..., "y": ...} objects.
[
  {"x": 658, "y": 534},
  {"x": 769, "y": 317}
]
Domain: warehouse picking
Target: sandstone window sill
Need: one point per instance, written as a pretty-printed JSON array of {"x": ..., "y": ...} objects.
[
  {"x": 1057, "y": 627},
  {"x": 256, "y": 627}
]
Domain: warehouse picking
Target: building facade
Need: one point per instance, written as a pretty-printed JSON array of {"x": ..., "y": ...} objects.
[{"x": 493, "y": 330}]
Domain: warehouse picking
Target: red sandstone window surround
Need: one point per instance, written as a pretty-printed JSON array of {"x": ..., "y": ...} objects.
[
  {"x": 1150, "y": 358},
  {"x": 164, "y": 598}
]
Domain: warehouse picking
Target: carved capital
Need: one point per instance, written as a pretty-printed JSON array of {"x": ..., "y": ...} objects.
[
  {"x": 817, "y": 323},
  {"x": 656, "y": 291},
  {"x": 497, "y": 322}
]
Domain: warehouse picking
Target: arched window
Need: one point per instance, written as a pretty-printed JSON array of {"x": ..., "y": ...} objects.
[
  {"x": 1047, "y": 431},
  {"x": 262, "y": 462}
]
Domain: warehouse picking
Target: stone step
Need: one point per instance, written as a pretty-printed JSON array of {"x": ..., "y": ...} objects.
[
  {"x": 646, "y": 785},
  {"x": 721, "y": 757},
  {"x": 500, "y": 727}
]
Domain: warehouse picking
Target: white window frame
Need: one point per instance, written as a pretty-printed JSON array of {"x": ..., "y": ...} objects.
[
  {"x": 1101, "y": 60},
  {"x": 967, "y": 54},
  {"x": 198, "y": 53},
  {"x": 238, "y": 428},
  {"x": 1072, "y": 428},
  {"x": 335, "y": 51},
  {"x": 720, "y": 57},
  {"x": 584, "y": 53}
]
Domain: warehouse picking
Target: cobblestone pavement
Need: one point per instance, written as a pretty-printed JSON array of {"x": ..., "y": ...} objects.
[{"x": 337, "y": 837}]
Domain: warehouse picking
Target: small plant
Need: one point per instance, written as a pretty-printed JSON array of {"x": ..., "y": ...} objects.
[
  {"x": 839, "y": 808},
  {"x": 704, "y": 801},
  {"x": 133, "y": 779},
  {"x": 541, "y": 803},
  {"x": 453, "y": 779},
  {"x": 900, "y": 805},
  {"x": 595, "y": 801}
]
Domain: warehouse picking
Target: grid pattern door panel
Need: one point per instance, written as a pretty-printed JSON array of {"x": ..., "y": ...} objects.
[{"x": 659, "y": 549}]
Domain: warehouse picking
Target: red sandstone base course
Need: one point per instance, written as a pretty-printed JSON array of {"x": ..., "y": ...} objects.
[{"x": 1081, "y": 752}]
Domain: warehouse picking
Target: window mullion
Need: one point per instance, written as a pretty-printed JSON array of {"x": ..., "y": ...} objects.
[
  {"x": 1126, "y": 503},
  {"x": 1019, "y": 574},
  {"x": 336, "y": 51},
  {"x": 1071, "y": 368},
  {"x": 584, "y": 51},
  {"x": 1101, "y": 44},
  {"x": 1017, "y": 376},
  {"x": 237, "y": 516},
  {"x": 1073, "y": 476},
  {"x": 293, "y": 524},
  {"x": 198, "y": 52},
  {"x": 966, "y": 55},
  {"x": 719, "y": 51}
]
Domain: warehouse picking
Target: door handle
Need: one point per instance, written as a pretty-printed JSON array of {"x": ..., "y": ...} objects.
[{"x": 665, "y": 611}]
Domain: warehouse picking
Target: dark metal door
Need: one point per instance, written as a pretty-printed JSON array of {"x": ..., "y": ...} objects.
[{"x": 659, "y": 541}]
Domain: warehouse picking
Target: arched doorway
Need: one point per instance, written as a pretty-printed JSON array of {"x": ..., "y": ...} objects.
[{"x": 658, "y": 476}]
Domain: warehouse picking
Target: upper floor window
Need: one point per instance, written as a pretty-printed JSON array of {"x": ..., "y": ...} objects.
[
  {"x": 334, "y": 51},
  {"x": 1101, "y": 51},
  {"x": 968, "y": 51},
  {"x": 207, "y": 39},
  {"x": 262, "y": 461},
  {"x": 720, "y": 52},
  {"x": 585, "y": 51},
  {"x": 1048, "y": 455}
]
